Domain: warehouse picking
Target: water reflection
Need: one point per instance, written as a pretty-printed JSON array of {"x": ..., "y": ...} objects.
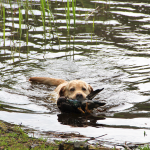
[{"x": 78, "y": 120}]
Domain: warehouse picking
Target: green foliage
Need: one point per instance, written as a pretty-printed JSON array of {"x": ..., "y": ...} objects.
[
  {"x": 147, "y": 147},
  {"x": 13, "y": 137},
  {"x": 50, "y": 15},
  {"x": 20, "y": 21},
  {"x": 4, "y": 24},
  {"x": 68, "y": 17},
  {"x": 43, "y": 4},
  {"x": 74, "y": 11}
]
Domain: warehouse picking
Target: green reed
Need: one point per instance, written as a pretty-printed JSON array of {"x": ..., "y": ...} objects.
[
  {"x": 74, "y": 11},
  {"x": 1, "y": 10},
  {"x": 45, "y": 8},
  {"x": 51, "y": 18},
  {"x": 12, "y": 29},
  {"x": 43, "y": 4},
  {"x": 4, "y": 24},
  {"x": 20, "y": 21},
  {"x": 93, "y": 24},
  {"x": 68, "y": 16},
  {"x": 49, "y": 14},
  {"x": 26, "y": 7}
]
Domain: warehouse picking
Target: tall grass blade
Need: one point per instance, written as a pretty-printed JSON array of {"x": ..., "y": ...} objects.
[
  {"x": 20, "y": 21},
  {"x": 66, "y": 19},
  {"x": 43, "y": 7},
  {"x": 4, "y": 25},
  {"x": 68, "y": 16},
  {"x": 27, "y": 38},
  {"x": 43, "y": 12},
  {"x": 49, "y": 14},
  {"x": 93, "y": 24},
  {"x": 26, "y": 10},
  {"x": 73, "y": 10},
  {"x": 27, "y": 34},
  {"x": 51, "y": 19}
]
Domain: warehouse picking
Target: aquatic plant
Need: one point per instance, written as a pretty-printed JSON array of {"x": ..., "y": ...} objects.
[
  {"x": 20, "y": 21},
  {"x": 74, "y": 11},
  {"x": 68, "y": 17},
  {"x": 146, "y": 147},
  {"x": 50, "y": 15},
  {"x": 45, "y": 8},
  {"x": 67, "y": 10},
  {"x": 4, "y": 24},
  {"x": 43, "y": 4}
]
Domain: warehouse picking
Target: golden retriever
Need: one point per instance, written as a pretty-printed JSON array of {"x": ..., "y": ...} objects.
[{"x": 75, "y": 89}]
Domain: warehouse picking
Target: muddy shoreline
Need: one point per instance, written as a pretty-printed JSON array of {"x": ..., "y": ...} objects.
[
  {"x": 13, "y": 137},
  {"x": 17, "y": 137}
]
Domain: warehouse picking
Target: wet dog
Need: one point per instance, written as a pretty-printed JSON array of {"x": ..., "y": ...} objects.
[{"x": 75, "y": 89}]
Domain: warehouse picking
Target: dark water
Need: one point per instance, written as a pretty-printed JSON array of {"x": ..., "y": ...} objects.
[{"x": 109, "y": 47}]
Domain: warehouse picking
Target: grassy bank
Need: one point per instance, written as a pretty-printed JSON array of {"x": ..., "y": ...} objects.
[{"x": 14, "y": 138}]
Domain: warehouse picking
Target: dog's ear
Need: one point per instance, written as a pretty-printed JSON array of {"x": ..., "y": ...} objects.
[
  {"x": 90, "y": 88},
  {"x": 62, "y": 91}
]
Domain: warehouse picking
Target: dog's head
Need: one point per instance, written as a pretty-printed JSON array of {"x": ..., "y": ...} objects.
[{"x": 76, "y": 89}]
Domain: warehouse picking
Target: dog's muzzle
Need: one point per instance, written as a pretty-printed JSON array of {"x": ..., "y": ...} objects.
[{"x": 79, "y": 97}]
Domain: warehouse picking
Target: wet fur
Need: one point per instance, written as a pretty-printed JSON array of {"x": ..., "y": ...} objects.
[{"x": 75, "y": 89}]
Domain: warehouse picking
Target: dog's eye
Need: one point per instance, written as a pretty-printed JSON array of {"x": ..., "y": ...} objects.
[
  {"x": 72, "y": 89},
  {"x": 84, "y": 89}
]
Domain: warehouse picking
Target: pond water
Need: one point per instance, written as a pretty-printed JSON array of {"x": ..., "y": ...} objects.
[{"x": 109, "y": 48}]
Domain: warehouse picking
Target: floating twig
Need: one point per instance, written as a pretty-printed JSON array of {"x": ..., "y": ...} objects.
[{"x": 91, "y": 13}]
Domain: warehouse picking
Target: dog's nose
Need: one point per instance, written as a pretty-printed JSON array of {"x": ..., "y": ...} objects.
[{"x": 79, "y": 96}]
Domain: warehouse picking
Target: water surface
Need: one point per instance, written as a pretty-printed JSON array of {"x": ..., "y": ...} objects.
[{"x": 109, "y": 48}]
